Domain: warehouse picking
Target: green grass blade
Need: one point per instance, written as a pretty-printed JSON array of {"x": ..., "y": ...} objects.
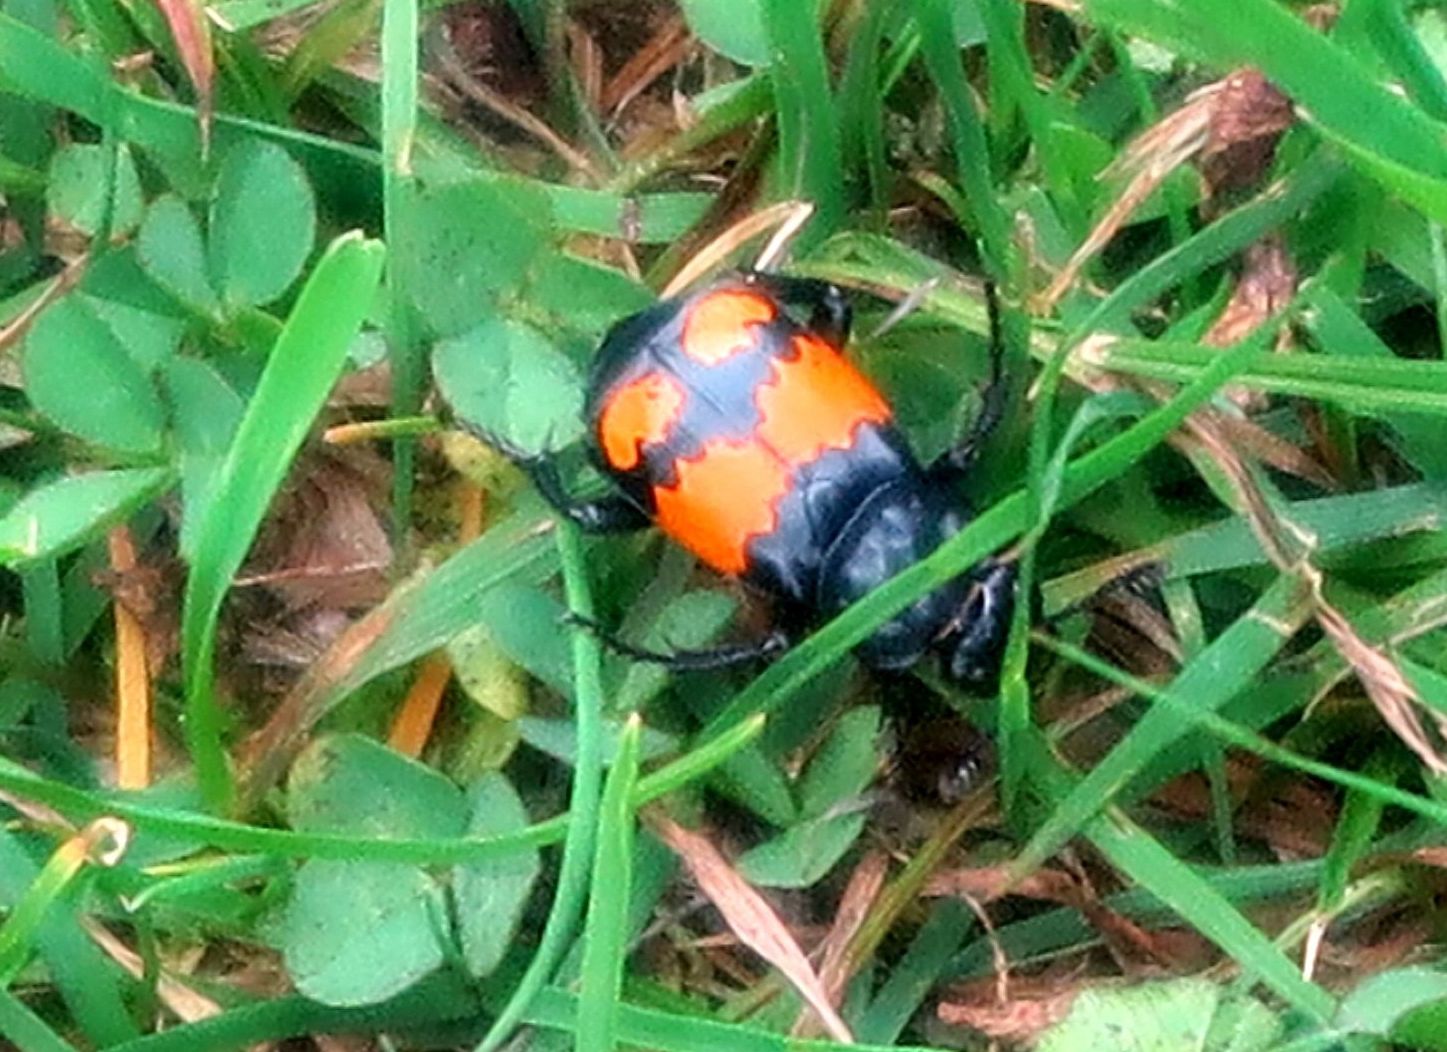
[
  {"x": 1367, "y": 787},
  {"x": 1385, "y": 134},
  {"x": 1336, "y": 523},
  {"x": 809, "y": 147},
  {"x": 399, "y": 130},
  {"x": 305, "y": 363},
  {"x": 25, "y": 1030},
  {"x": 1144, "y": 860},
  {"x": 1230, "y": 664},
  {"x": 972, "y": 152},
  {"x": 201, "y": 829},
  {"x": 1377, "y": 385},
  {"x": 605, "y": 939},
  {"x": 18, "y": 933},
  {"x": 918, "y": 972},
  {"x": 92, "y": 988},
  {"x": 556, "y": 1009},
  {"x": 583, "y": 813}
]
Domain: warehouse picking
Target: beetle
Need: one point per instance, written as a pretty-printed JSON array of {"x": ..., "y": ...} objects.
[{"x": 730, "y": 418}]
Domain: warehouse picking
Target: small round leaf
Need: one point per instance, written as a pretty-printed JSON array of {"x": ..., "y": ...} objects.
[
  {"x": 733, "y": 28},
  {"x": 506, "y": 378},
  {"x": 356, "y": 933},
  {"x": 263, "y": 224},
  {"x": 348, "y": 783},
  {"x": 78, "y": 184},
  {"x": 471, "y": 244},
  {"x": 491, "y": 893},
  {"x": 79, "y": 375},
  {"x": 173, "y": 255}
]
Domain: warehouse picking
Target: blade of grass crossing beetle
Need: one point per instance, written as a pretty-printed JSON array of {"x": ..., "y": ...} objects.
[
  {"x": 987, "y": 533},
  {"x": 304, "y": 364},
  {"x": 605, "y": 939}
]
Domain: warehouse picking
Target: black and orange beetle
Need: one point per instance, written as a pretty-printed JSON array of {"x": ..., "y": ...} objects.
[{"x": 742, "y": 431}]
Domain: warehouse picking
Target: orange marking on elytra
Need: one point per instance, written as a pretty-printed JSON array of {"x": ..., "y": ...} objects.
[
  {"x": 725, "y": 495},
  {"x": 719, "y": 326},
  {"x": 641, "y": 411},
  {"x": 814, "y": 402}
]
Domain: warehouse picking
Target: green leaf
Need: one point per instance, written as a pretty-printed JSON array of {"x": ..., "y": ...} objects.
[
  {"x": 263, "y": 224},
  {"x": 55, "y": 518},
  {"x": 172, "y": 253},
  {"x": 471, "y": 244},
  {"x": 80, "y": 181},
  {"x": 1163, "y": 1017},
  {"x": 149, "y": 338},
  {"x": 350, "y": 784},
  {"x": 733, "y": 28},
  {"x": 79, "y": 375},
  {"x": 523, "y": 620},
  {"x": 587, "y": 296},
  {"x": 691, "y": 620},
  {"x": 803, "y": 853},
  {"x": 491, "y": 895},
  {"x": 754, "y": 780},
  {"x": 1385, "y": 1004},
  {"x": 355, "y": 933},
  {"x": 506, "y": 378},
  {"x": 844, "y": 766}
]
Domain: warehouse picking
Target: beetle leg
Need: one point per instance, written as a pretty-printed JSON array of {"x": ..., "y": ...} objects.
[
  {"x": 725, "y": 656},
  {"x": 984, "y": 625},
  {"x": 613, "y": 513},
  {"x": 830, "y": 314},
  {"x": 960, "y": 458}
]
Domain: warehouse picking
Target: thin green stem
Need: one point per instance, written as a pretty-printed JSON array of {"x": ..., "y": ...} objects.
[{"x": 584, "y": 806}]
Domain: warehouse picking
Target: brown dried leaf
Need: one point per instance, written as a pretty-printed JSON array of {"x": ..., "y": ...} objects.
[
  {"x": 666, "y": 48},
  {"x": 1231, "y": 125},
  {"x": 836, "y": 968},
  {"x": 990, "y": 882},
  {"x": 1247, "y": 119},
  {"x": 1154, "y": 155},
  {"x": 1289, "y": 546},
  {"x": 750, "y": 916},
  {"x": 1021, "y": 1019},
  {"x": 1395, "y": 699},
  {"x": 325, "y": 545},
  {"x": 1266, "y": 287}
]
